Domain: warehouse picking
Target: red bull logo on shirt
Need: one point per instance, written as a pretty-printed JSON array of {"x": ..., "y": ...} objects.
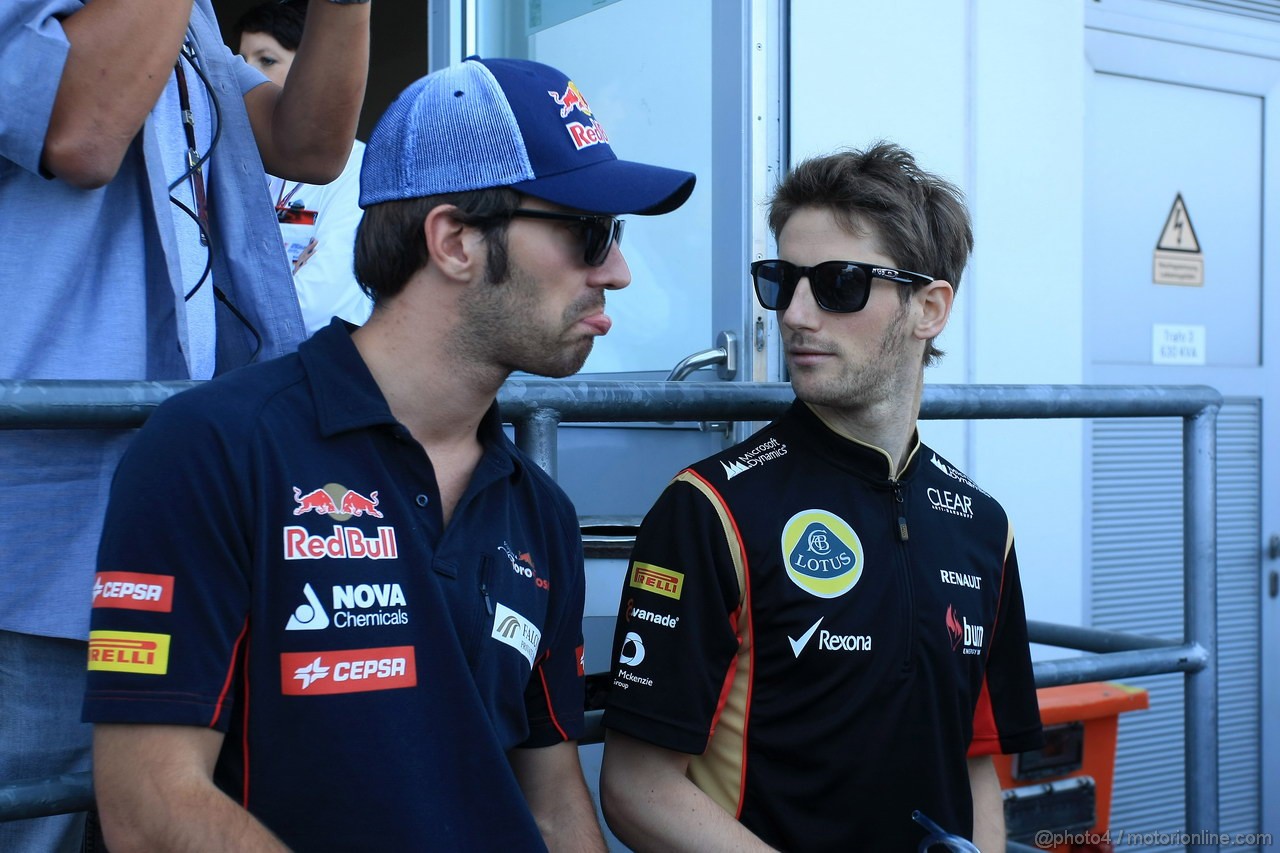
[
  {"x": 346, "y": 543},
  {"x": 336, "y": 500},
  {"x": 822, "y": 554},
  {"x": 129, "y": 651},
  {"x": 133, "y": 591}
]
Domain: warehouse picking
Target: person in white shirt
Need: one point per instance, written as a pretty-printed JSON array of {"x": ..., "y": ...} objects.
[{"x": 317, "y": 222}]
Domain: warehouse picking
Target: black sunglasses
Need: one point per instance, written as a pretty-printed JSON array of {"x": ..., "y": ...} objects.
[
  {"x": 598, "y": 232},
  {"x": 840, "y": 287}
]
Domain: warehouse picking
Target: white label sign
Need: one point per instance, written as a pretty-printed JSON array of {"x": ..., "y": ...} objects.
[{"x": 1177, "y": 344}]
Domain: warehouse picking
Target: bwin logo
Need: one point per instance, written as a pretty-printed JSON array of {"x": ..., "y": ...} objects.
[{"x": 509, "y": 626}]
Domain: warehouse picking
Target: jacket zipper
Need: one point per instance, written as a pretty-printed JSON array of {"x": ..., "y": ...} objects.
[{"x": 900, "y": 512}]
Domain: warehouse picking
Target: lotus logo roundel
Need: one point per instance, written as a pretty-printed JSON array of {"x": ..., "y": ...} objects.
[{"x": 822, "y": 553}]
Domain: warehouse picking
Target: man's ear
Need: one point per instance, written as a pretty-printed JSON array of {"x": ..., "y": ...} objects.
[
  {"x": 455, "y": 249},
  {"x": 935, "y": 300}
]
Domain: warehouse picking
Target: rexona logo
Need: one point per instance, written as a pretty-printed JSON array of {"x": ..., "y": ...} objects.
[
  {"x": 770, "y": 450},
  {"x": 831, "y": 642},
  {"x": 351, "y": 604},
  {"x": 961, "y": 631},
  {"x": 346, "y": 543},
  {"x": 522, "y": 564},
  {"x": 129, "y": 651},
  {"x": 347, "y": 671},
  {"x": 663, "y": 619},
  {"x": 954, "y": 503},
  {"x": 822, "y": 553},
  {"x": 133, "y": 591},
  {"x": 514, "y": 630},
  {"x": 656, "y": 579}
]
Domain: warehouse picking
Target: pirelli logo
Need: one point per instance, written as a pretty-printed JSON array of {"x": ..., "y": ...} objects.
[
  {"x": 129, "y": 651},
  {"x": 656, "y": 579}
]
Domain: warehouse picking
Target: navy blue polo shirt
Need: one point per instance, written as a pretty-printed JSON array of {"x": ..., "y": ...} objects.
[{"x": 275, "y": 566}]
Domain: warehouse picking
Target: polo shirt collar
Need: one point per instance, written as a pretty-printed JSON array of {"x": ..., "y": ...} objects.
[
  {"x": 348, "y": 398},
  {"x": 865, "y": 459}
]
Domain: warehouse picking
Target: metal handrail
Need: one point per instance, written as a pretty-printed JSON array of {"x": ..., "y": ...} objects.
[{"x": 537, "y": 407}]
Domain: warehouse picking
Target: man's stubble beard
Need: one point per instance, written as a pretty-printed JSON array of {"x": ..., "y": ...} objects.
[
  {"x": 860, "y": 386},
  {"x": 500, "y": 326}
]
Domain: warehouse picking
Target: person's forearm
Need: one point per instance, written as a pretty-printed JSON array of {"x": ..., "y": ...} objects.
[
  {"x": 121, "y": 54},
  {"x": 205, "y": 820},
  {"x": 155, "y": 792},
  {"x": 988, "y": 806},
  {"x": 686, "y": 820},
  {"x": 571, "y": 825},
  {"x": 314, "y": 121}
]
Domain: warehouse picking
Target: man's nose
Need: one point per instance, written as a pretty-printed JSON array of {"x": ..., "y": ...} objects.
[
  {"x": 613, "y": 274},
  {"x": 803, "y": 311}
]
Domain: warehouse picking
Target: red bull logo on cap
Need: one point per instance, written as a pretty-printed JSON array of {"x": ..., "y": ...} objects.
[{"x": 571, "y": 100}]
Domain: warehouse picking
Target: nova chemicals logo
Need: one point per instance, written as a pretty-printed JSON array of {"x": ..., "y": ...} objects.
[{"x": 822, "y": 553}]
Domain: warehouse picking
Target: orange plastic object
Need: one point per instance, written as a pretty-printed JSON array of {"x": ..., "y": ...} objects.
[{"x": 1099, "y": 706}]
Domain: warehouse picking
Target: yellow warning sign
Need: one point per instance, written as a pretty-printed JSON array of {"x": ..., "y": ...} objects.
[{"x": 1178, "y": 259}]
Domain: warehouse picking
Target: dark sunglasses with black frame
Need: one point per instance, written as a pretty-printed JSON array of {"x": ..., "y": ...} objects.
[
  {"x": 841, "y": 287},
  {"x": 599, "y": 232}
]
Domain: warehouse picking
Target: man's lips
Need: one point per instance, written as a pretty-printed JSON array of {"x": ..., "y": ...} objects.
[{"x": 806, "y": 355}]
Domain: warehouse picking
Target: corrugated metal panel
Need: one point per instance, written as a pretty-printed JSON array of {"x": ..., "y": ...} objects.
[
  {"x": 1136, "y": 553},
  {"x": 1267, "y": 10}
]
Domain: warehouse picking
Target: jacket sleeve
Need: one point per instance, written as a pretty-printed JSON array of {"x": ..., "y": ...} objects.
[
  {"x": 676, "y": 640},
  {"x": 1007, "y": 716}
]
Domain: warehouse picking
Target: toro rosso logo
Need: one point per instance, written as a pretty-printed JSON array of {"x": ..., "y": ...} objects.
[{"x": 336, "y": 500}]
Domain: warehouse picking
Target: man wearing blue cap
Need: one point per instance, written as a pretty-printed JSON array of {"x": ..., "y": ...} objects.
[{"x": 340, "y": 609}]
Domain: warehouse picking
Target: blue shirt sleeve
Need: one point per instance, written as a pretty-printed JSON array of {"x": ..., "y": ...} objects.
[{"x": 33, "y": 52}]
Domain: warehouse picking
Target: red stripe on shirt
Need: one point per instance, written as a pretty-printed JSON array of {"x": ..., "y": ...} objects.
[
  {"x": 231, "y": 671},
  {"x": 986, "y": 735},
  {"x": 546, "y": 690}
]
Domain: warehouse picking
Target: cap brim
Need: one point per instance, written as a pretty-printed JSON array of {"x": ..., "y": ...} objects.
[{"x": 614, "y": 187}]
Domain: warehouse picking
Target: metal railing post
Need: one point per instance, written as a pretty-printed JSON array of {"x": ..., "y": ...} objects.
[
  {"x": 1200, "y": 614},
  {"x": 536, "y": 436}
]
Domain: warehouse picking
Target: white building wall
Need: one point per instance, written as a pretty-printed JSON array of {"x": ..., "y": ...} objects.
[{"x": 989, "y": 93}]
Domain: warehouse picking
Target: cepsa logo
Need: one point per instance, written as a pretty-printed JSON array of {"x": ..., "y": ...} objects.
[
  {"x": 347, "y": 671},
  {"x": 129, "y": 651},
  {"x": 133, "y": 591},
  {"x": 656, "y": 579}
]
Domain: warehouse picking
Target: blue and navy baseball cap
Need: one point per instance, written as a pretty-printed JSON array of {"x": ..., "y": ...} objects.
[{"x": 508, "y": 123}]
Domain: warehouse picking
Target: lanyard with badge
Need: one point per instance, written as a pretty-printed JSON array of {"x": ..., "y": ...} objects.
[{"x": 297, "y": 226}]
